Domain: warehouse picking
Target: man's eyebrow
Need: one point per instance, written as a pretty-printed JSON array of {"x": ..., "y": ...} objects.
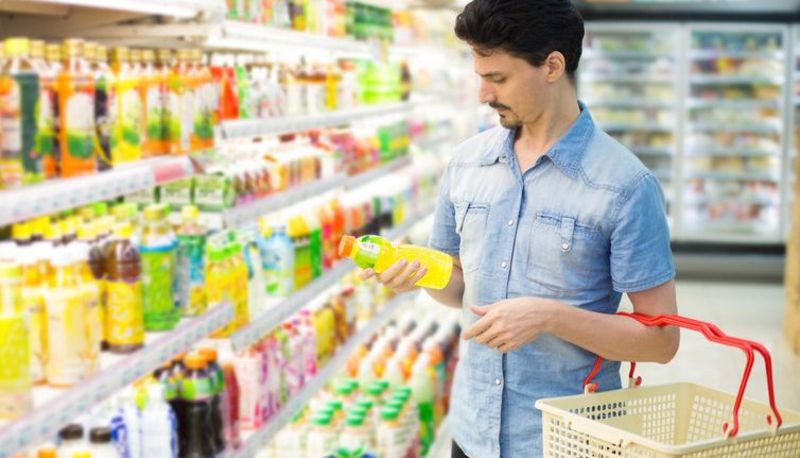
[{"x": 489, "y": 75}]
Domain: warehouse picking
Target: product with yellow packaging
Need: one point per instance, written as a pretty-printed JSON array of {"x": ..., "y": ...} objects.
[
  {"x": 126, "y": 132},
  {"x": 81, "y": 253},
  {"x": 66, "y": 322},
  {"x": 124, "y": 315},
  {"x": 15, "y": 373},
  {"x": 33, "y": 287}
]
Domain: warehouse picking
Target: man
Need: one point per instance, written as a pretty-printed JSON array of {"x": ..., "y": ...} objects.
[{"x": 549, "y": 221}]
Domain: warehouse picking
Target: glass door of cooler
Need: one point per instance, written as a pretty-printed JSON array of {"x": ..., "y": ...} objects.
[
  {"x": 628, "y": 78},
  {"x": 734, "y": 133}
]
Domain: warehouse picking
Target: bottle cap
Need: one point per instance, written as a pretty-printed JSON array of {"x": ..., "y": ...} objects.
[
  {"x": 389, "y": 413},
  {"x": 47, "y": 452},
  {"x": 100, "y": 435},
  {"x": 321, "y": 420},
  {"x": 346, "y": 246},
  {"x": 21, "y": 231},
  {"x": 194, "y": 362},
  {"x": 190, "y": 212},
  {"x": 17, "y": 47},
  {"x": 210, "y": 354},
  {"x": 123, "y": 230},
  {"x": 82, "y": 454},
  {"x": 355, "y": 420},
  {"x": 71, "y": 432}
]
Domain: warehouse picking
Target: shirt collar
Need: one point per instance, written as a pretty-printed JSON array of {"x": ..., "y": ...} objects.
[{"x": 566, "y": 153}]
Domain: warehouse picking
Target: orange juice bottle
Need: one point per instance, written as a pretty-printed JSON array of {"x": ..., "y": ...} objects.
[
  {"x": 180, "y": 104},
  {"x": 104, "y": 102},
  {"x": 19, "y": 94},
  {"x": 162, "y": 70},
  {"x": 46, "y": 140},
  {"x": 153, "y": 106},
  {"x": 76, "y": 112},
  {"x": 126, "y": 132},
  {"x": 51, "y": 165},
  {"x": 66, "y": 322},
  {"x": 205, "y": 100}
]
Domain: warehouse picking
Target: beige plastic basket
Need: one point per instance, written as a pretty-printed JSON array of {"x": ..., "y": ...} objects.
[{"x": 673, "y": 420}]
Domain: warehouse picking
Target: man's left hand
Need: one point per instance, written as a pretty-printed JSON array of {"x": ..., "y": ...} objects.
[{"x": 511, "y": 323}]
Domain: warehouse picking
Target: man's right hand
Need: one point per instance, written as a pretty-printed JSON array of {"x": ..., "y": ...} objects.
[{"x": 399, "y": 277}]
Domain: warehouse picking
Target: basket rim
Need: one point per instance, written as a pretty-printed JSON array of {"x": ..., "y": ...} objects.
[{"x": 624, "y": 438}]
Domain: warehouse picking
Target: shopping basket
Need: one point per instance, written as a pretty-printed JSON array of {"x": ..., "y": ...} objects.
[{"x": 677, "y": 419}]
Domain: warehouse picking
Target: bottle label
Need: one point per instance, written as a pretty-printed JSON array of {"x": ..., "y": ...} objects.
[
  {"x": 158, "y": 273},
  {"x": 191, "y": 275},
  {"x": 126, "y": 138},
  {"x": 155, "y": 126},
  {"x": 33, "y": 302},
  {"x": 15, "y": 374},
  {"x": 78, "y": 117},
  {"x": 196, "y": 389},
  {"x": 20, "y": 163},
  {"x": 66, "y": 336},
  {"x": 369, "y": 249},
  {"x": 124, "y": 313}
]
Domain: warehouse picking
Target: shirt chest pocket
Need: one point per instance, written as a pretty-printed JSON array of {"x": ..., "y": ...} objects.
[
  {"x": 470, "y": 227},
  {"x": 566, "y": 255}
]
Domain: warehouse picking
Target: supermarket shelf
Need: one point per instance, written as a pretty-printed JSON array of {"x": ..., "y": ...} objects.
[
  {"x": 628, "y": 103},
  {"x": 754, "y": 128},
  {"x": 57, "y": 407},
  {"x": 733, "y": 104},
  {"x": 372, "y": 175},
  {"x": 442, "y": 441},
  {"x": 261, "y": 325},
  {"x": 254, "y": 442},
  {"x": 234, "y": 35},
  {"x": 287, "y": 124},
  {"x": 62, "y": 194},
  {"x": 590, "y": 53},
  {"x": 760, "y": 201},
  {"x": 733, "y": 79},
  {"x": 708, "y": 54},
  {"x": 651, "y": 151},
  {"x": 718, "y": 151},
  {"x": 626, "y": 127},
  {"x": 736, "y": 176},
  {"x": 252, "y": 211},
  {"x": 177, "y": 8},
  {"x": 638, "y": 79}
]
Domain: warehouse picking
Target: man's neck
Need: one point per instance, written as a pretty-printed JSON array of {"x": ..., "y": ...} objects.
[{"x": 535, "y": 138}]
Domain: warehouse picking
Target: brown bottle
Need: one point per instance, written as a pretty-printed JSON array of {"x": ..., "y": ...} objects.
[{"x": 124, "y": 316}]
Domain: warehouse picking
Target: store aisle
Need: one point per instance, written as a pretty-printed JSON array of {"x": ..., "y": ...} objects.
[{"x": 748, "y": 310}]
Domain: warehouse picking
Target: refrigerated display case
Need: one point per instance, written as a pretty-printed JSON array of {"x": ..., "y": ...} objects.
[
  {"x": 734, "y": 142},
  {"x": 629, "y": 77},
  {"x": 790, "y": 188}
]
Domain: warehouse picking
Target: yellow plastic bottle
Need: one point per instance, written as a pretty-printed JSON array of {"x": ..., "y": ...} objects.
[
  {"x": 219, "y": 283},
  {"x": 375, "y": 252},
  {"x": 66, "y": 322},
  {"x": 241, "y": 313},
  {"x": 92, "y": 292},
  {"x": 15, "y": 373},
  {"x": 33, "y": 283}
]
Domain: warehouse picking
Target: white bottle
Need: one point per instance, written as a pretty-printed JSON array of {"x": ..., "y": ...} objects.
[
  {"x": 132, "y": 419},
  {"x": 101, "y": 445},
  {"x": 159, "y": 428}
]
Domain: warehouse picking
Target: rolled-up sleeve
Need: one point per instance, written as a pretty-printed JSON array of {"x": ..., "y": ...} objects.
[
  {"x": 443, "y": 235},
  {"x": 641, "y": 257}
]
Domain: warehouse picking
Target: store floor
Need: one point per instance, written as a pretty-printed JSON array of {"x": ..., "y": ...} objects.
[{"x": 749, "y": 310}]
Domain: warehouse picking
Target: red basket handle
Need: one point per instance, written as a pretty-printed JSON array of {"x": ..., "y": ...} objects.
[{"x": 714, "y": 334}]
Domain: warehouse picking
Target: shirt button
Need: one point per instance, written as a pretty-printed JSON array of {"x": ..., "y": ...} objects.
[
  {"x": 503, "y": 265},
  {"x": 497, "y": 381},
  {"x": 565, "y": 246},
  {"x": 511, "y": 222}
]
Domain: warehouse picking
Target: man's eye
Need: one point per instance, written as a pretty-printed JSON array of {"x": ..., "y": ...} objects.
[{"x": 499, "y": 80}]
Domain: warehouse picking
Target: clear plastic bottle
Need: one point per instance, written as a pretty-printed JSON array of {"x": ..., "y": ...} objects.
[
  {"x": 125, "y": 316},
  {"x": 126, "y": 133},
  {"x": 15, "y": 373},
  {"x": 101, "y": 444},
  {"x": 71, "y": 438},
  {"x": 66, "y": 322},
  {"x": 76, "y": 112},
  {"x": 159, "y": 426},
  {"x": 190, "y": 281},
  {"x": 158, "y": 246},
  {"x": 279, "y": 263}
]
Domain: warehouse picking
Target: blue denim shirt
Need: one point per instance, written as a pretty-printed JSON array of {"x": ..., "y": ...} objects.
[{"x": 586, "y": 223}]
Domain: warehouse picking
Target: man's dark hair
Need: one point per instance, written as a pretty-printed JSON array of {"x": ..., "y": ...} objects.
[{"x": 527, "y": 29}]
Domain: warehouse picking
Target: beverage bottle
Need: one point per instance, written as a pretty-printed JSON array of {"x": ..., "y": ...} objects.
[
  {"x": 19, "y": 95},
  {"x": 219, "y": 405},
  {"x": 180, "y": 105},
  {"x": 102, "y": 233},
  {"x": 248, "y": 366},
  {"x": 298, "y": 233},
  {"x": 53, "y": 59},
  {"x": 124, "y": 315},
  {"x": 315, "y": 244},
  {"x": 15, "y": 372},
  {"x": 190, "y": 270},
  {"x": 233, "y": 429},
  {"x": 76, "y": 112},
  {"x": 279, "y": 261},
  {"x": 309, "y": 333},
  {"x": 424, "y": 390},
  {"x": 378, "y": 253},
  {"x": 158, "y": 247},
  {"x": 163, "y": 65},
  {"x": 194, "y": 421},
  {"x": 90, "y": 288},
  {"x": 71, "y": 439},
  {"x": 32, "y": 289},
  {"x": 218, "y": 281},
  {"x": 159, "y": 427},
  {"x": 45, "y": 130},
  {"x": 126, "y": 133},
  {"x": 129, "y": 424},
  {"x": 291, "y": 440},
  {"x": 206, "y": 100},
  {"x": 101, "y": 444},
  {"x": 152, "y": 101},
  {"x": 104, "y": 102},
  {"x": 390, "y": 440},
  {"x": 241, "y": 312},
  {"x": 325, "y": 217},
  {"x": 321, "y": 437},
  {"x": 66, "y": 322}
]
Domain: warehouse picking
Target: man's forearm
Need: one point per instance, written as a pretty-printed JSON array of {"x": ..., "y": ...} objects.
[
  {"x": 614, "y": 337},
  {"x": 453, "y": 293}
]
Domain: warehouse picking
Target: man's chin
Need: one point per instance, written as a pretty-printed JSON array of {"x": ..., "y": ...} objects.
[{"x": 508, "y": 123}]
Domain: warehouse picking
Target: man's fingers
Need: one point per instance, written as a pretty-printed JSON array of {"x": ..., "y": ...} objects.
[
  {"x": 477, "y": 328},
  {"x": 366, "y": 274},
  {"x": 401, "y": 279}
]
